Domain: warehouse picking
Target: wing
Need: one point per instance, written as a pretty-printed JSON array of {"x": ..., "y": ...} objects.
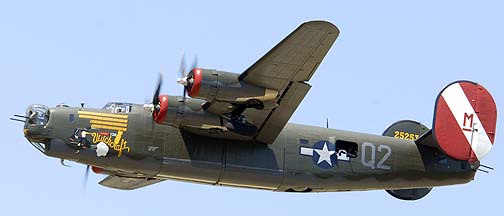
[
  {"x": 286, "y": 68},
  {"x": 127, "y": 183},
  {"x": 294, "y": 59}
]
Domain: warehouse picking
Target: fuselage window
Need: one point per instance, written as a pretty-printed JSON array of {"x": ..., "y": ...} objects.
[
  {"x": 118, "y": 107},
  {"x": 346, "y": 149},
  {"x": 71, "y": 118},
  {"x": 303, "y": 141}
]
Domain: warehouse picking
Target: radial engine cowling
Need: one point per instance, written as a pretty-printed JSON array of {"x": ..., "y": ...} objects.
[{"x": 212, "y": 85}]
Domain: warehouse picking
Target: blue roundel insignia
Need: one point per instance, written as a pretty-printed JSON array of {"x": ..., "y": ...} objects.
[{"x": 323, "y": 154}]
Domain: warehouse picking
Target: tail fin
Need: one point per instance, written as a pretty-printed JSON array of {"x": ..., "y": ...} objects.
[{"x": 464, "y": 123}]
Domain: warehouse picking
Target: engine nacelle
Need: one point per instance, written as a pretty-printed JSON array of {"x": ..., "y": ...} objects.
[
  {"x": 175, "y": 112},
  {"x": 212, "y": 85}
]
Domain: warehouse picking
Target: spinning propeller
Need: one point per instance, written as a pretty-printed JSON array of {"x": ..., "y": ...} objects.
[
  {"x": 155, "y": 99},
  {"x": 86, "y": 176},
  {"x": 187, "y": 80},
  {"x": 159, "y": 104}
]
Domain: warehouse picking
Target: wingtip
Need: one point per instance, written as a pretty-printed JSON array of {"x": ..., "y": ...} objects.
[{"x": 322, "y": 24}]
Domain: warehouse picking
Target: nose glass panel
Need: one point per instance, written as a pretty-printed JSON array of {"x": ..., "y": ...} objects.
[
  {"x": 38, "y": 114},
  {"x": 39, "y": 146}
]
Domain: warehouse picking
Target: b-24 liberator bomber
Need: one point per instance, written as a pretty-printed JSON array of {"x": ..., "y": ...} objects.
[{"x": 233, "y": 130}]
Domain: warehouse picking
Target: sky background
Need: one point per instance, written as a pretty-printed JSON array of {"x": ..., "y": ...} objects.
[{"x": 390, "y": 62}]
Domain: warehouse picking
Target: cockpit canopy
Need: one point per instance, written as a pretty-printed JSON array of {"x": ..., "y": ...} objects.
[{"x": 116, "y": 107}]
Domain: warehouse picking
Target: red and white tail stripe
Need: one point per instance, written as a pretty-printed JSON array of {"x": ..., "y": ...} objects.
[{"x": 465, "y": 120}]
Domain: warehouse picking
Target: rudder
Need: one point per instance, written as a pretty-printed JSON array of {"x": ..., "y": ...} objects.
[{"x": 465, "y": 119}]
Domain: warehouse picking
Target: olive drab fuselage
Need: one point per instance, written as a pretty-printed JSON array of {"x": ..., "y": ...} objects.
[{"x": 294, "y": 162}]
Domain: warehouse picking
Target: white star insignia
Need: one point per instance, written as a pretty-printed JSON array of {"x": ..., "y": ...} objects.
[{"x": 324, "y": 154}]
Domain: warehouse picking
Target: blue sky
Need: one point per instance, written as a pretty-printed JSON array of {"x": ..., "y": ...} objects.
[{"x": 391, "y": 60}]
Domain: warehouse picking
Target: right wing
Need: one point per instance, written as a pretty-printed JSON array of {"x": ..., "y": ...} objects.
[
  {"x": 294, "y": 59},
  {"x": 286, "y": 68}
]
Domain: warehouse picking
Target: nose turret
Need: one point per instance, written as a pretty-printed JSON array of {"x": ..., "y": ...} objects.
[{"x": 35, "y": 129}]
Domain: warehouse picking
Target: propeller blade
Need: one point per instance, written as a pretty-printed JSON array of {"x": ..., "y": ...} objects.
[
  {"x": 195, "y": 63},
  {"x": 182, "y": 70},
  {"x": 182, "y": 67},
  {"x": 155, "y": 99},
  {"x": 86, "y": 175},
  {"x": 184, "y": 80}
]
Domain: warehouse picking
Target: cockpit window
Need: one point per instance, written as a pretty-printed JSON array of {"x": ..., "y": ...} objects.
[{"x": 118, "y": 107}]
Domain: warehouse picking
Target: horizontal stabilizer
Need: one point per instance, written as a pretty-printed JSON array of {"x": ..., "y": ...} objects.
[{"x": 127, "y": 183}]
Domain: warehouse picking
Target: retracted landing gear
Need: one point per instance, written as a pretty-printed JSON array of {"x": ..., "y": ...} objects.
[
  {"x": 238, "y": 123},
  {"x": 241, "y": 126}
]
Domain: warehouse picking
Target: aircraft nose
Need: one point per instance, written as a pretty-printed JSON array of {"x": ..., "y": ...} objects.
[
  {"x": 37, "y": 136},
  {"x": 34, "y": 130},
  {"x": 35, "y": 120}
]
